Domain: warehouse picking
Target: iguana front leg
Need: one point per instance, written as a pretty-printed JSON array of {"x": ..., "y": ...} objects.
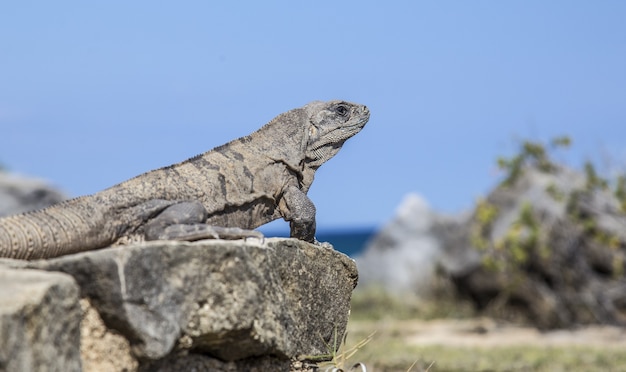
[
  {"x": 185, "y": 221},
  {"x": 296, "y": 207}
]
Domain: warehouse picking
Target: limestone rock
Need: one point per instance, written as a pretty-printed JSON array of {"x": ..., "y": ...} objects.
[
  {"x": 21, "y": 194},
  {"x": 39, "y": 321},
  {"x": 101, "y": 348},
  {"x": 230, "y": 300}
]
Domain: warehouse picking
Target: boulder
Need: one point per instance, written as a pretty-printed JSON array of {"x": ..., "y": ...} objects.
[
  {"x": 404, "y": 255},
  {"x": 214, "y": 302},
  {"x": 553, "y": 251},
  {"x": 546, "y": 247},
  {"x": 21, "y": 194},
  {"x": 39, "y": 321}
]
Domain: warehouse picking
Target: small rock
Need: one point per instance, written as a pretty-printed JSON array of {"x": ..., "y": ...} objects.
[{"x": 39, "y": 321}]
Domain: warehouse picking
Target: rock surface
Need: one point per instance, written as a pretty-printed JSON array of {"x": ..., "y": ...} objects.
[
  {"x": 39, "y": 321},
  {"x": 404, "y": 255},
  {"x": 547, "y": 248},
  {"x": 102, "y": 348},
  {"x": 21, "y": 194},
  {"x": 553, "y": 248},
  {"x": 230, "y": 304},
  {"x": 198, "y": 362}
]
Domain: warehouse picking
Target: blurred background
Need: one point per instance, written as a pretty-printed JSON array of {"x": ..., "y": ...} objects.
[{"x": 92, "y": 94}]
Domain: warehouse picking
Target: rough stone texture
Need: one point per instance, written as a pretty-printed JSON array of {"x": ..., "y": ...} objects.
[
  {"x": 101, "y": 348},
  {"x": 202, "y": 363},
  {"x": 39, "y": 321},
  {"x": 231, "y": 300},
  {"x": 21, "y": 194}
]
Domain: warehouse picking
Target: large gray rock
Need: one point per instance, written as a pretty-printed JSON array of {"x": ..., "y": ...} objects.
[
  {"x": 553, "y": 251},
  {"x": 404, "y": 255},
  {"x": 230, "y": 300},
  {"x": 21, "y": 194},
  {"x": 39, "y": 321},
  {"x": 547, "y": 248}
]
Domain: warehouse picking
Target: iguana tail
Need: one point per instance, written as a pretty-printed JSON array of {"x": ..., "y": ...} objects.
[{"x": 65, "y": 228}]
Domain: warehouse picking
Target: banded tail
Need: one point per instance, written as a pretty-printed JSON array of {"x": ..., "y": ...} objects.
[{"x": 65, "y": 228}]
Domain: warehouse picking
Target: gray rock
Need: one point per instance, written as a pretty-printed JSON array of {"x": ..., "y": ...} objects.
[
  {"x": 102, "y": 348},
  {"x": 39, "y": 321},
  {"x": 403, "y": 256},
  {"x": 231, "y": 300},
  {"x": 20, "y": 194},
  {"x": 555, "y": 252},
  {"x": 197, "y": 362},
  {"x": 532, "y": 189}
]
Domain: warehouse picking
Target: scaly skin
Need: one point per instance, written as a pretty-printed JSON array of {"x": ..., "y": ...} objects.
[{"x": 222, "y": 193}]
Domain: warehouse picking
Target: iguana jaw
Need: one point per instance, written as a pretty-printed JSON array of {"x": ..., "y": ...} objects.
[{"x": 331, "y": 127}]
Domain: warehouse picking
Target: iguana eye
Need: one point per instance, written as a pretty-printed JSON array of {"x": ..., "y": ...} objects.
[{"x": 341, "y": 110}]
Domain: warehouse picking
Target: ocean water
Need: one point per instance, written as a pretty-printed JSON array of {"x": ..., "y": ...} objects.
[{"x": 349, "y": 241}]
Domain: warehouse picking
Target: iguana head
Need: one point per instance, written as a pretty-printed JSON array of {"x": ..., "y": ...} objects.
[{"x": 330, "y": 125}]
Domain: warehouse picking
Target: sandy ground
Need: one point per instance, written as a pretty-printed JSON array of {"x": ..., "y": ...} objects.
[
  {"x": 488, "y": 333},
  {"x": 484, "y": 332}
]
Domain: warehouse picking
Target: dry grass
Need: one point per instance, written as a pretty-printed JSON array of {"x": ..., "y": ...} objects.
[
  {"x": 392, "y": 350},
  {"x": 402, "y": 341}
]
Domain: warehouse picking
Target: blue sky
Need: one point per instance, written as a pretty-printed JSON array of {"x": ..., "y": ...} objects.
[{"x": 92, "y": 93}]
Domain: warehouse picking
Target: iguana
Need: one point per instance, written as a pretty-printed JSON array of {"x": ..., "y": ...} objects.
[{"x": 223, "y": 193}]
